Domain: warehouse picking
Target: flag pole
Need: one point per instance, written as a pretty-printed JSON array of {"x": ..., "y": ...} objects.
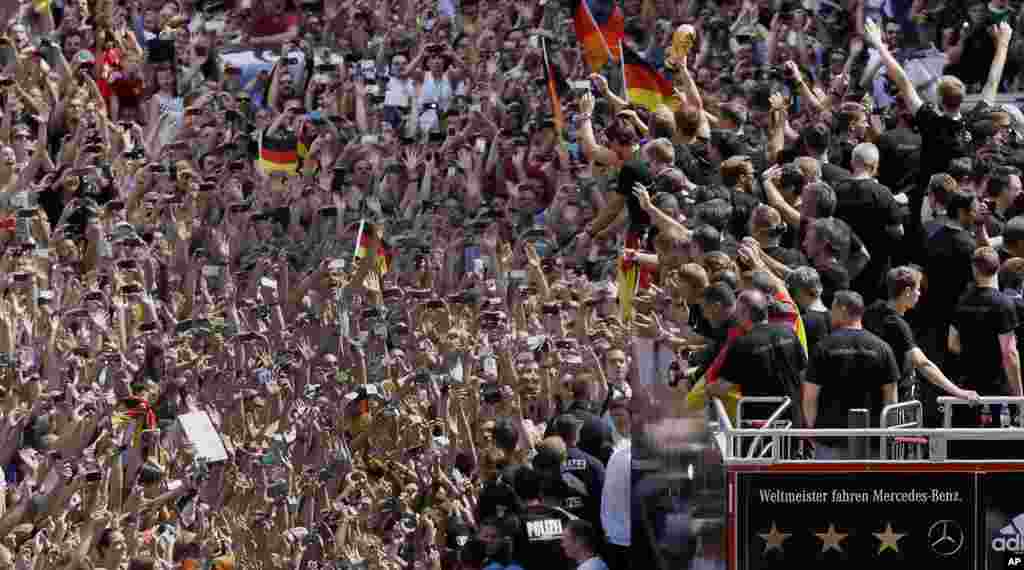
[
  {"x": 622, "y": 64},
  {"x": 359, "y": 237}
]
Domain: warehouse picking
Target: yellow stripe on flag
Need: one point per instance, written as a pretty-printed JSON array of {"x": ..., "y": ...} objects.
[{"x": 627, "y": 282}]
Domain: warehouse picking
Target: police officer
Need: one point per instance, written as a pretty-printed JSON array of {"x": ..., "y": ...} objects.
[
  {"x": 540, "y": 543},
  {"x": 562, "y": 488},
  {"x": 583, "y": 465}
]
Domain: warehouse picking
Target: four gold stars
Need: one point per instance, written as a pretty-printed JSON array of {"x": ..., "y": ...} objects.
[
  {"x": 889, "y": 539},
  {"x": 773, "y": 539},
  {"x": 830, "y": 540}
]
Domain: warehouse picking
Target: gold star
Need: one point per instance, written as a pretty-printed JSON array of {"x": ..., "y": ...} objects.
[
  {"x": 830, "y": 540},
  {"x": 773, "y": 539},
  {"x": 889, "y": 539}
]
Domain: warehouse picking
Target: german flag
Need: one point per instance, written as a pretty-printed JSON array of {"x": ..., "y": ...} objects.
[
  {"x": 555, "y": 83},
  {"x": 279, "y": 154},
  {"x": 600, "y": 28},
  {"x": 644, "y": 85},
  {"x": 368, "y": 237}
]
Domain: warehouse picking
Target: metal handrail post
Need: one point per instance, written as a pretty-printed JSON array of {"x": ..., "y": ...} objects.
[
  {"x": 783, "y": 406},
  {"x": 884, "y": 419},
  {"x": 756, "y": 400},
  {"x": 726, "y": 426}
]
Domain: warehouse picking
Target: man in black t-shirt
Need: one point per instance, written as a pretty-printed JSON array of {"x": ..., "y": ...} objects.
[
  {"x": 885, "y": 319},
  {"x": 947, "y": 265},
  {"x": 581, "y": 464},
  {"x": 851, "y": 368},
  {"x": 983, "y": 333},
  {"x": 621, "y": 196},
  {"x": 804, "y": 284},
  {"x": 766, "y": 361},
  {"x": 564, "y": 489},
  {"x": 539, "y": 546},
  {"x": 873, "y": 214},
  {"x": 718, "y": 307},
  {"x": 767, "y": 228},
  {"x": 983, "y": 328},
  {"x": 815, "y": 141},
  {"x": 900, "y": 150},
  {"x": 824, "y": 242}
]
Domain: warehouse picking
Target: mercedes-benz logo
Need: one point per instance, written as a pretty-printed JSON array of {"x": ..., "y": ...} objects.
[{"x": 945, "y": 538}]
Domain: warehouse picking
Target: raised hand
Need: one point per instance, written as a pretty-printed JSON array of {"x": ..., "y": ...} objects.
[
  {"x": 1001, "y": 33},
  {"x": 873, "y": 34},
  {"x": 642, "y": 196}
]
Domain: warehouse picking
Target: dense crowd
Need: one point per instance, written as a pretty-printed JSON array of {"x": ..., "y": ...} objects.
[{"x": 394, "y": 285}]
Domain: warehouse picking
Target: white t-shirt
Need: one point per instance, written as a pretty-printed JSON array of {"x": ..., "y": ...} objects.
[
  {"x": 398, "y": 92},
  {"x": 436, "y": 90},
  {"x": 616, "y": 509}
]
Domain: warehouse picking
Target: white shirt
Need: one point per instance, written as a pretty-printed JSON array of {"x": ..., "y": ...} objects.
[
  {"x": 436, "y": 90},
  {"x": 616, "y": 510},
  {"x": 398, "y": 92},
  {"x": 592, "y": 563}
]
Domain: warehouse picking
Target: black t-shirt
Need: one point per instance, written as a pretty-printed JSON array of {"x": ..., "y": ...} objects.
[
  {"x": 753, "y": 360},
  {"x": 868, "y": 207},
  {"x": 883, "y": 320},
  {"x": 817, "y": 325},
  {"x": 900, "y": 153},
  {"x": 834, "y": 277},
  {"x": 791, "y": 257},
  {"x": 716, "y": 336},
  {"x": 851, "y": 366},
  {"x": 834, "y": 174},
  {"x": 540, "y": 545},
  {"x": 943, "y": 138},
  {"x": 696, "y": 168},
  {"x": 981, "y": 315},
  {"x": 632, "y": 172},
  {"x": 947, "y": 265},
  {"x": 1018, "y": 304}
]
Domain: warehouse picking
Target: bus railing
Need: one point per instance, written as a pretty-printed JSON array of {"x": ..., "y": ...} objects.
[
  {"x": 901, "y": 436},
  {"x": 947, "y": 403}
]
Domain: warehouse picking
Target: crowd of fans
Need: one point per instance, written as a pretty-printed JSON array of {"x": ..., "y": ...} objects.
[{"x": 327, "y": 284}]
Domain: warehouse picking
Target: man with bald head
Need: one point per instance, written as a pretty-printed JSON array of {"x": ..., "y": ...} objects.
[
  {"x": 874, "y": 214},
  {"x": 766, "y": 361}
]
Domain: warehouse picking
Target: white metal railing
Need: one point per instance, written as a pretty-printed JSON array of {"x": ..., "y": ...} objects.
[
  {"x": 901, "y": 432},
  {"x": 948, "y": 403},
  {"x": 901, "y": 447}
]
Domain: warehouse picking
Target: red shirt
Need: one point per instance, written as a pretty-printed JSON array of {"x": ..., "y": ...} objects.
[{"x": 111, "y": 60}]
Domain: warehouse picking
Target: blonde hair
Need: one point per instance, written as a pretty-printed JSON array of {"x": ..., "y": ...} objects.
[{"x": 951, "y": 91}]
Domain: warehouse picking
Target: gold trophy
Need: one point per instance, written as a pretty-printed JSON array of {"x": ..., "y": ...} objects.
[{"x": 682, "y": 41}]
